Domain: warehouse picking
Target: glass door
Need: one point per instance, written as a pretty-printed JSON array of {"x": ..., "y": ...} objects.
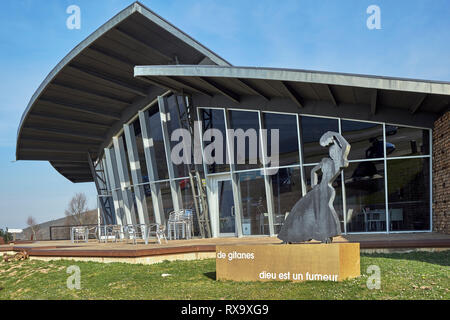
[
  {"x": 227, "y": 225},
  {"x": 220, "y": 195}
]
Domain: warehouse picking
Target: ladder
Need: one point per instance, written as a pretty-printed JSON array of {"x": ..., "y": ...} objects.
[{"x": 198, "y": 189}]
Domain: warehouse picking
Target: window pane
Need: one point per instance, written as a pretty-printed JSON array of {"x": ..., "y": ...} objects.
[
  {"x": 187, "y": 198},
  {"x": 287, "y": 190},
  {"x": 166, "y": 196},
  {"x": 254, "y": 206},
  {"x": 177, "y": 110},
  {"x": 148, "y": 200},
  {"x": 215, "y": 119},
  {"x": 366, "y": 139},
  {"x": 158, "y": 142},
  {"x": 409, "y": 194},
  {"x": 127, "y": 160},
  {"x": 404, "y": 141},
  {"x": 288, "y": 143},
  {"x": 249, "y": 123},
  {"x": 365, "y": 196},
  {"x": 140, "y": 149},
  {"x": 312, "y": 130}
]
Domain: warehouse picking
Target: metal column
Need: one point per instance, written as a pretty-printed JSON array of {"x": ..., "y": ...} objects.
[
  {"x": 165, "y": 118},
  {"x": 124, "y": 180},
  {"x": 136, "y": 173},
  {"x": 235, "y": 184},
  {"x": 114, "y": 183},
  {"x": 150, "y": 160},
  {"x": 267, "y": 175}
]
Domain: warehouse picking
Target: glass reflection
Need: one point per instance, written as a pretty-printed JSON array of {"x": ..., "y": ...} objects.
[
  {"x": 312, "y": 129},
  {"x": 254, "y": 206},
  {"x": 187, "y": 199},
  {"x": 405, "y": 141},
  {"x": 288, "y": 143},
  {"x": 166, "y": 196},
  {"x": 366, "y": 139},
  {"x": 215, "y": 119},
  {"x": 246, "y": 120},
  {"x": 409, "y": 194},
  {"x": 226, "y": 207},
  {"x": 177, "y": 112},
  {"x": 140, "y": 150},
  {"x": 365, "y": 196},
  {"x": 286, "y": 190},
  {"x": 158, "y": 143}
]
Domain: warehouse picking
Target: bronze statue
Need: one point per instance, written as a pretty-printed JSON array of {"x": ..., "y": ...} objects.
[{"x": 313, "y": 216}]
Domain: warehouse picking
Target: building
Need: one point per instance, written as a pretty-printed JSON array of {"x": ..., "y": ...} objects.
[{"x": 107, "y": 111}]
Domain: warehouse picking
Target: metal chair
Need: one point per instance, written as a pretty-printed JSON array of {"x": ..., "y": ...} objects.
[
  {"x": 158, "y": 230},
  {"x": 177, "y": 220},
  {"x": 135, "y": 232},
  {"x": 161, "y": 233},
  {"x": 114, "y": 231},
  {"x": 80, "y": 233},
  {"x": 189, "y": 220}
]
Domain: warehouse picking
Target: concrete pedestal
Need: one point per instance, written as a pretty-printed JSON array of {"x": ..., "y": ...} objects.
[{"x": 288, "y": 262}]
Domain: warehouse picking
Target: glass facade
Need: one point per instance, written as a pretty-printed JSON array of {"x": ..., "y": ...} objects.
[
  {"x": 386, "y": 187},
  {"x": 312, "y": 130},
  {"x": 288, "y": 153},
  {"x": 408, "y": 192},
  {"x": 365, "y": 196},
  {"x": 406, "y": 141},
  {"x": 255, "y": 216},
  {"x": 214, "y": 134},
  {"x": 365, "y": 138},
  {"x": 286, "y": 191},
  {"x": 246, "y": 126}
]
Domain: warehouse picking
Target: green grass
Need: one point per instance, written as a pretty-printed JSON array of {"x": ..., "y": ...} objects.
[{"x": 403, "y": 276}]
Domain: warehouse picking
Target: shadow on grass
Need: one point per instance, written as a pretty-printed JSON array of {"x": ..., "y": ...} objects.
[
  {"x": 211, "y": 275},
  {"x": 440, "y": 258}
]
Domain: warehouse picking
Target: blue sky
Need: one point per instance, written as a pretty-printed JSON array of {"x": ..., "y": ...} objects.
[{"x": 329, "y": 35}]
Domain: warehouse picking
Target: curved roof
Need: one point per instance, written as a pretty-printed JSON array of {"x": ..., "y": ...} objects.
[
  {"x": 301, "y": 85},
  {"x": 79, "y": 101}
]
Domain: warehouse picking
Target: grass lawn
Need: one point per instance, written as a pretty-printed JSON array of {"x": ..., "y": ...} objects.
[{"x": 421, "y": 275}]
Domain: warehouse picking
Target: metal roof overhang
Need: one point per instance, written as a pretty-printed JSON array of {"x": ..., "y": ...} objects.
[
  {"x": 414, "y": 98},
  {"x": 86, "y": 94}
]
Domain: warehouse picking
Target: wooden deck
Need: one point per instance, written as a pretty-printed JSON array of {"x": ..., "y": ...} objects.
[{"x": 124, "y": 249}]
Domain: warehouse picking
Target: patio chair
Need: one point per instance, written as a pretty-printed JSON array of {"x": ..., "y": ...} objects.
[
  {"x": 158, "y": 230},
  {"x": 135, "y": 232},
  {"x": 80, "y": 233},
  {"x": 177, "y": 220},
  {"x": 114, "y": 231},
  {"x": 189, "y": 220},
  {"x": 161, "y": 233}
]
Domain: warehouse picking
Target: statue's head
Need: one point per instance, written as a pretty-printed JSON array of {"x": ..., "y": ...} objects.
[{"x": 339, "y": 148}]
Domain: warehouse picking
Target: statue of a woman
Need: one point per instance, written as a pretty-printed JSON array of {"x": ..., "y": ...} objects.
[{"x": 313, "y": 216}]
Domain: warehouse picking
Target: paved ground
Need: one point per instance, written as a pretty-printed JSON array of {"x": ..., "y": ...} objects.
[{"x": 124, "y": 245}]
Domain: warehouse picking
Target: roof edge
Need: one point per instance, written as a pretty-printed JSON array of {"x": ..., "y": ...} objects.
[
  {"x": 111, "y": 23},
  {"x": 278, "y": 74}
]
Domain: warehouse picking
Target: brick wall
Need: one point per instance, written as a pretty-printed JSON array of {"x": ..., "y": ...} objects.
[{"x": 441, "y": 174}]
